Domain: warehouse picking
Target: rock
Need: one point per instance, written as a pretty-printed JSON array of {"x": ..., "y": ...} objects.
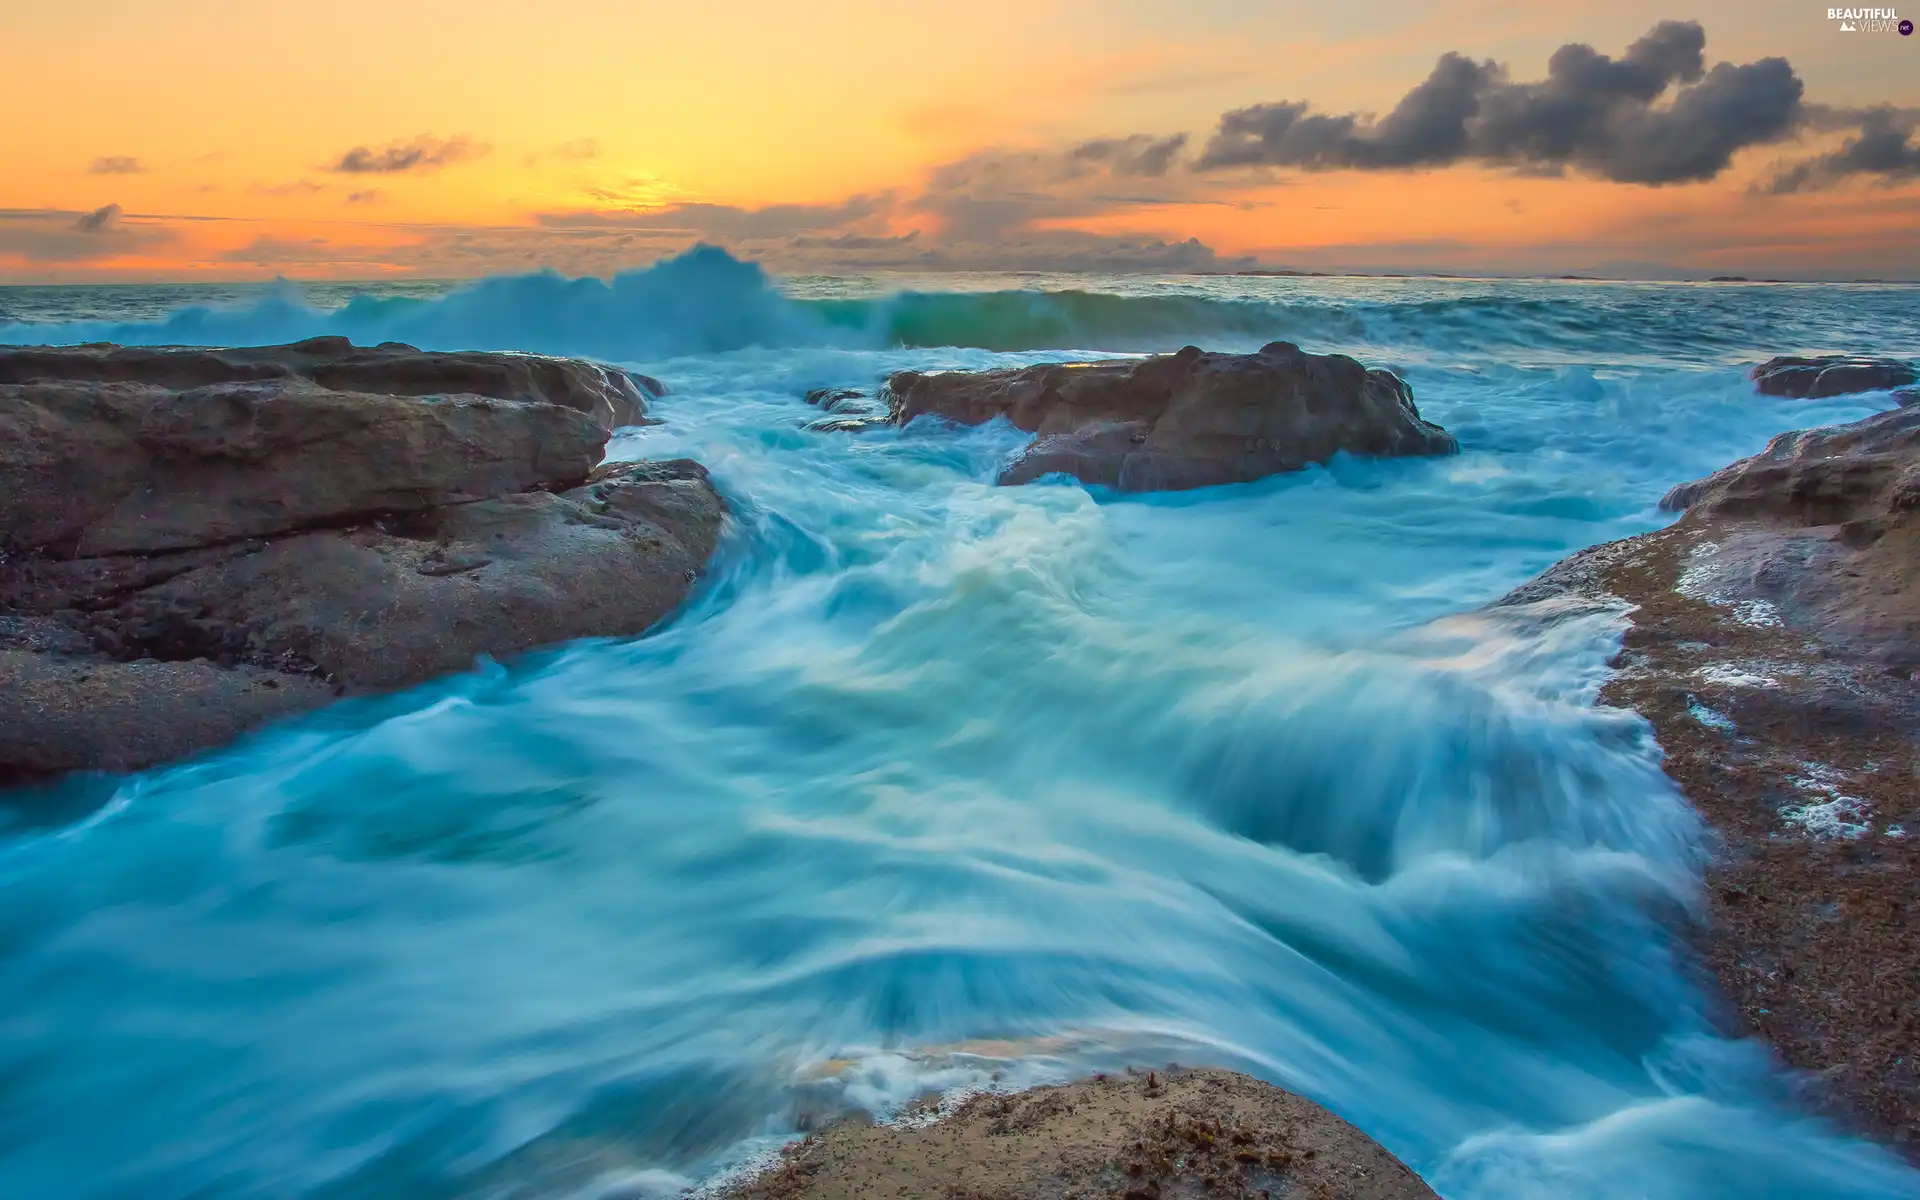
[
  {"x": 856, "y": 410},
  {"x": 1149, "y": 1133},
  {"x": 71, "y": 713},
  {"x": 608, "y": 396},
  {"x": 181, "y": 563},
  {"x": 1775, "y": 649},
  {"x": 1185, "y": 420},
  {"x": 376, "y": 608},
  {"x": 116, "y": 468},
  {"x": 1863, "y": 475},
  {"x": 834, "y": 399},
  {"x": 1832, "y": 375}
]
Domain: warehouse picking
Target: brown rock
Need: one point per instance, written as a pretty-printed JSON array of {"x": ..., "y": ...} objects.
[
  {"x": 182, "y": 651},
  {"x": 115, "y": 468},
  {"x": 1166, "y": 1133},
  {"x": 1774, "y": 644},
  {"x": 1185, "y": 420},
  {"x": 211, "y": 539},
  {"x": 1832, "y": 375},
  {"x": 607, "y": 395}
]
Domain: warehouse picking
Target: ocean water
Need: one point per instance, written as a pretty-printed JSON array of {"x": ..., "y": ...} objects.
[{"x": 934, "y": 784}]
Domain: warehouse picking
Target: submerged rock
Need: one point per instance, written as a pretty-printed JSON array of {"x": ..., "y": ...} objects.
[
  {"x": 855, "y": 410},
  {"x": 1187, "y": 420},
  {"x": 184, "y": 554},
  {"x": 1775, "y": 649},
  {"x": 1166, "y": 1133},
  {"x": 1833, "y": 375}
]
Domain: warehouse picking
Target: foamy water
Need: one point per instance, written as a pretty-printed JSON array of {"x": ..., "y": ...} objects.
[{"x": 937, "y": 784}]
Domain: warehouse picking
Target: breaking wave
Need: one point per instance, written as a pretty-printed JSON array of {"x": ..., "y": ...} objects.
[{"x": 706, "y": 301}]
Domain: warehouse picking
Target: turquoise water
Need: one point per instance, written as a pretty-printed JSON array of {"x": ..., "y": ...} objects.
[{"x": 936, "y": 784}]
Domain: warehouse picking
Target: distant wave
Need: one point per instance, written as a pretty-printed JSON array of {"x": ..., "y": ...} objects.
[{"x": 706, "y": 301}]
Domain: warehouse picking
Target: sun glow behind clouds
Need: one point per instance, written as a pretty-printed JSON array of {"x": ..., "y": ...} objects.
[{"x": 465, "y": 139}]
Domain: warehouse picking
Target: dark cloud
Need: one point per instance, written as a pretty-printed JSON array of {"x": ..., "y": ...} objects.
[
  {"x": 370, "y": 196},
  {"x": 116, "y": 164},
  {"x": 1592, "y": 112},
  {"x": 1882, "y": 146},
  {"x": 1137, "y": 154},
  {"x": 104, "y": 219},
  {"x": 423, "y": 153}
]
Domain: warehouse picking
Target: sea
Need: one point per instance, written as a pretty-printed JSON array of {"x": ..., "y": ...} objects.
[{"x": 937, "y": 786}]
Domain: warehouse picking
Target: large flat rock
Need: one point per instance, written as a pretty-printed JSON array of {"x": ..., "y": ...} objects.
[
  {"x": 194, "y": 542},
  {"x": 92, "y": 469},
  {"x": 1186, "y": 420},
  {"x": 606, "y": 395}
]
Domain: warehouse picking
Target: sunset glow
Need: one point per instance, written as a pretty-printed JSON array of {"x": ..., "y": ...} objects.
[{"x": 224, "y": 140}]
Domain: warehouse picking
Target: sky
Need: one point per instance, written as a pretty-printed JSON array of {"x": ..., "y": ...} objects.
[{"x": 231, "y": 140}]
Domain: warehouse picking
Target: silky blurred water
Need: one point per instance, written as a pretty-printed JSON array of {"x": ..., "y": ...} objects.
[{"x": 937, "y": 784}]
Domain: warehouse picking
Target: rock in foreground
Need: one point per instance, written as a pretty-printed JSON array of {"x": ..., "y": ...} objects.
[
  {"x": 185, "y": 554},
  {"x": 1774, "y": 647},
  {"x": 1833, "y": 375},
  {"x": 608, "y": 397},
  {"x": 1166, "y": 1134},
  {"x": 1187, "y": 420}
]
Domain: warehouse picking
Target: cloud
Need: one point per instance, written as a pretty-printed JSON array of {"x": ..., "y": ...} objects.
[
  {"x": 577, "y": 150},
  {"x": 1137, "y": 154},
  {"x": 116, "y": 164},
  {"x": 1592, "y": 112},
  {"x": 423, "y": 153},
  {"x": 104, "y": 219},
  {"x": 1883, "y": 145},
  {"x": 299, "y": 187},
  {"x": 370, "y": 196},
  {"x": 729, "y": 222},
  {"x": 997, "y": 194},
  {"x": 267, "y": 250},
  {"x": 52, "y": 235}
]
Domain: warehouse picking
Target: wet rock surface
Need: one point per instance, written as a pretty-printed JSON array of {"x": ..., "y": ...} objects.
[
  {"x": 184, "y": 554},
  {"x": 1773, "y": 648},
  {"x": 1142, "y": 1136},
  {"x": 1186, "y": 420},
  {"x": 853, "y": 410},
  {"x": 1819, "y": 377}
]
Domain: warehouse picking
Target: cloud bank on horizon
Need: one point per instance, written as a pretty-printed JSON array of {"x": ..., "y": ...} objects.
[{"x": 1657, "y": 116}]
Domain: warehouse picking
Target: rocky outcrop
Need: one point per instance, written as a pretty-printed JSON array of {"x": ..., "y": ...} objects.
[
  {"x": 1827, "y": 375},
  {"x": 610, "y": 398},
  {"x": 185, "y": 554},
  {"x": 1149, "y": 1133},
  {"x": 1185, "y": 420},
  {"x": 1775, "y": 648}
]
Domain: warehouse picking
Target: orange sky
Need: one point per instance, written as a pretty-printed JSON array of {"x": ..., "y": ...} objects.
[{"x": 595, "y": 134}]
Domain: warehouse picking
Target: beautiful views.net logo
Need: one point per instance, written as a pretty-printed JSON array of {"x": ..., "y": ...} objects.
[{"x": 1870, "y": 20}]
